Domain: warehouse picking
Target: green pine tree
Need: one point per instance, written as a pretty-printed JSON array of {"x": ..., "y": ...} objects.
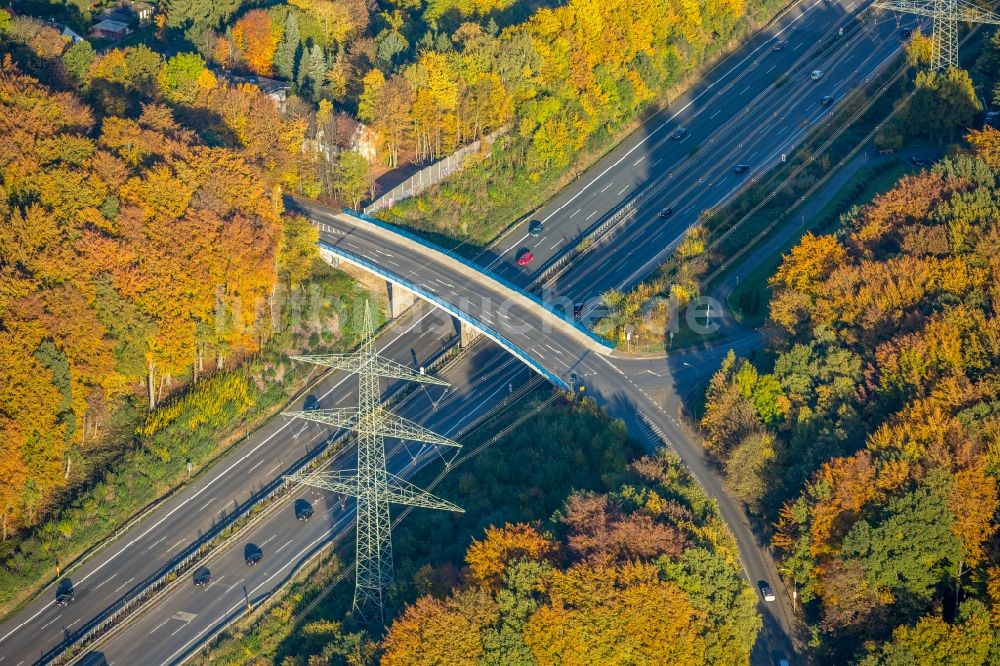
[
  {"x": 284, "y": 56},
  {"x": 312, "y": 71}
]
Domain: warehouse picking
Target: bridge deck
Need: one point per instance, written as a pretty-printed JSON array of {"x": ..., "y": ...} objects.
[{"x": 535, "y": 332}]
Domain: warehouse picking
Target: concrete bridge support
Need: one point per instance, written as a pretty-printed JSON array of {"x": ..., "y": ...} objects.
[
  {"x": 466, "y": 333},
  {"x": 400, "y": 298}
]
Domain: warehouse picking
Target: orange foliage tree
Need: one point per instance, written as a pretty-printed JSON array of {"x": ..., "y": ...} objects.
[
  {"x": 256, "y": 39},
  {"x": 126, "y": 252}
]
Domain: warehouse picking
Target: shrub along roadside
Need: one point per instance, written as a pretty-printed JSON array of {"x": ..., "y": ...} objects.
[
  {"x": 749, "y": 300},
  {"x": 147, "y": 456}
]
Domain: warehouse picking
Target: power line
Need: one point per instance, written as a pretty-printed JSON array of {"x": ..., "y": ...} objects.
[
  {"x": 946, "y": 15},
  {"x": 371, "y": 483}
]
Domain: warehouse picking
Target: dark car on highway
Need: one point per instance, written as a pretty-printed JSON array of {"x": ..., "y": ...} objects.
[
  {"x": 827, "y": 100},
  {"x": 741, "y": 168},
  {"x": 202, "y": 577},
  {"x": 666, "y": 212},
  {"x": 679, "y": 133},
  {"x": 64, "y": 593},
  {"x": 303, "y": 510},
  {"x": 779, "y": 46},
  {"x": 252, "y": 554},
  {"x": 535, "y": 228}
]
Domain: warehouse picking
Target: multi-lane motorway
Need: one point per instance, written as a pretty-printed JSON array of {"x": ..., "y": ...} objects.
[
  {"x": 716, "y": 116},
  {"x": 752, "y": 108},
  {"x": 143, "y": 552},
  {"x": 177, "y": 625}
]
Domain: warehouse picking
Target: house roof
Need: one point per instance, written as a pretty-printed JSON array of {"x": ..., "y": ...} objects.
[
  {"x": 66, "y": 32},
  {"x": 108, "y": 25}
]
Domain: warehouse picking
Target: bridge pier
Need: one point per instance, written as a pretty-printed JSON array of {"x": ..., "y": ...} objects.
[
  {"x": 466, "y": 334},
  {"x": 400, "y": 298}
]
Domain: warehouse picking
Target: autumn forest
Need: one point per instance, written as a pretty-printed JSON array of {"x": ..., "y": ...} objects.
[{"x": 155, "y": 278}]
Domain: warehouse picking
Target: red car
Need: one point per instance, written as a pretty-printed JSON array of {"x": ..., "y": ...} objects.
[{"x": 524, "y": 258}]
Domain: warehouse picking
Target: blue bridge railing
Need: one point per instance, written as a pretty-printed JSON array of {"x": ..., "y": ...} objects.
[
  {"x": 485, "y": 271},
  {"x": 448, "y": 307}
]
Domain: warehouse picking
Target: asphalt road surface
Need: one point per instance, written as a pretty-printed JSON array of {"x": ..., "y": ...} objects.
[
  {"x": 148, "y": 549},
  {"x": 713, "y": 114},
  {"x": 175, "y": 627},
  {"x": 735, "y": 115}
]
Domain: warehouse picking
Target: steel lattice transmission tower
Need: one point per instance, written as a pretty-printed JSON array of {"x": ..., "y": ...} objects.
[
  {"x": 946, "y": 15},
  {"x": 371, "y": 483}
]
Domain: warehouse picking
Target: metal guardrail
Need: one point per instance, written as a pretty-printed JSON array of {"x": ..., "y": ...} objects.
[
  {"x": 156, "y": 503},
  {"x": 481, "y": 269},
  {"x": 349, "y": 569},
  {"x": 162, "y": 585},
  {"x": 255, "y": 511},
  {"x": 597, "y": 233}
]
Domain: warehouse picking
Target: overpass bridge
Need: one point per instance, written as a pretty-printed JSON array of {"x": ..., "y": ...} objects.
[
  {"x": 538, "y": 333},
  {"x": 637, "y": 389},
  {"x": 740, "y": 112}
]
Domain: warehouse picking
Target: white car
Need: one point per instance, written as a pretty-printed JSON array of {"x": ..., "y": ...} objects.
[{"x": 816, "y": 75}]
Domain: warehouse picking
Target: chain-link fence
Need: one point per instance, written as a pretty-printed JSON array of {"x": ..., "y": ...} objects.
[{"x": 429, "y": 175}]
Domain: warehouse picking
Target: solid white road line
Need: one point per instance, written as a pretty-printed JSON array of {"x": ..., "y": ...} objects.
[
  {"x": 211, "y": 482},
  {"x": 669, "y": 120}
]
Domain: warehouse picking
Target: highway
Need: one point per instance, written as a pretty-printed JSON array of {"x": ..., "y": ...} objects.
[
  {"x": 177, "y": 626},
  {"x": 736, "y": 115},
  {"x": 643, "y": 391},
  {"x": 147, "y": 549}
]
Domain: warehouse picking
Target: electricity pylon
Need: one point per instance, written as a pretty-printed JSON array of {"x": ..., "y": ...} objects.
[
  {"x": 946, "y": 15},
  {"x": 371, "y": 483}
]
